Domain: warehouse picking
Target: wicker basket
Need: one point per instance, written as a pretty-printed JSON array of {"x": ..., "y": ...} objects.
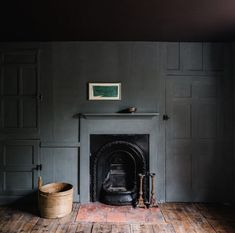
[{"x": 54, "y": 200}]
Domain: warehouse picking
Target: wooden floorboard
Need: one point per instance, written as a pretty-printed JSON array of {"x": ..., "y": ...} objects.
[
  {"x": 121, "y": 228},
  {"x": 84, "y": 228},
  {"x": 173, "y": 218}
]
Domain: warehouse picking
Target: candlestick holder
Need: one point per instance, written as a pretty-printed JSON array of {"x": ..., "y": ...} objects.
[
  {"x": 153, "y": 201},
  {"x": 140, "y": 202}
]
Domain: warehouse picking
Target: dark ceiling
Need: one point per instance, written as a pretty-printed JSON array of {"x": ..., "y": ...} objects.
[{"x": 122, "y": 20}]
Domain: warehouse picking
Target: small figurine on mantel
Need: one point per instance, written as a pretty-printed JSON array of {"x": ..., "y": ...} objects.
[{"x": 128, "y": 110}]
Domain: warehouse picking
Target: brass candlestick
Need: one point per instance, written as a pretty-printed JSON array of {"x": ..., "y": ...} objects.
[
  {"x": 153, "y": 201},
  {"x": 140, "y": 202}
]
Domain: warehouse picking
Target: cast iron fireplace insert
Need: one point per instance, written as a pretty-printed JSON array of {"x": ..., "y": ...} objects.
[{"x": 115, "y": 162}]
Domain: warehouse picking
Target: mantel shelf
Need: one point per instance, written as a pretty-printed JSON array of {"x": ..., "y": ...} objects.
[{"x": 120, "y": 115}]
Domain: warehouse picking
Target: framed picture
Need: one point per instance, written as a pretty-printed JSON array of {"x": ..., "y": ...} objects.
[{"x": 104, "y": 91}]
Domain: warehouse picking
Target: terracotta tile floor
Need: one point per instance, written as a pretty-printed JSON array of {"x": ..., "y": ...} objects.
[{"x": 98, "y": 212}]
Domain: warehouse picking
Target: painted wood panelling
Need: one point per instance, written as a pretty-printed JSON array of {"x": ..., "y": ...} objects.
[
  {"x": 195, "y": 58},
  {"x": 193, "y": 80},
  {"x": 61, "y": 164},
  {"x": 173, "y": 59},
  {"x": 20, "y": 57},
  {"x": 191, "y": 56}
]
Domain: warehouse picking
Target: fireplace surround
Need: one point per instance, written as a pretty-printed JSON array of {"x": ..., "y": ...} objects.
[{"x": 124, "y": 128}]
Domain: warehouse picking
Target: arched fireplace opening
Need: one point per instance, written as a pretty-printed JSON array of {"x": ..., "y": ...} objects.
[{"x": 116, "y": 161}]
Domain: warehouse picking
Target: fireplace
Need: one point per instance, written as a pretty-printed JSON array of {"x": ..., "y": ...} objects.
[
  {"x": 136, "y": 135},
  {"x": 115, "y": 162}
]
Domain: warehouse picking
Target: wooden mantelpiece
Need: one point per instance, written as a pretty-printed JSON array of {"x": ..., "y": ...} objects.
[{"x": 120, "y": 115}]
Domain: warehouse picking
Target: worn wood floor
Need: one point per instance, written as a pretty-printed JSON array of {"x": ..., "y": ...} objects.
[{"x": 177, "y": 218}]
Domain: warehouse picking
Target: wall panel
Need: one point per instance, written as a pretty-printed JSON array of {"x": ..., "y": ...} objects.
[{"x": 61, "y": 165}]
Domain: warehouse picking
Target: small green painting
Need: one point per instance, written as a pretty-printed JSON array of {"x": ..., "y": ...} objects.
[{"x": 104, "y": 91}]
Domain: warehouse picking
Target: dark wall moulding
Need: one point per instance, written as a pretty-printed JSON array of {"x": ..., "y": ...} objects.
[{"x": 119, "y": 115}]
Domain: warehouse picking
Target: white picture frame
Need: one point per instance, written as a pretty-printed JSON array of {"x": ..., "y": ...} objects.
[{"x": 104, "y": 91}]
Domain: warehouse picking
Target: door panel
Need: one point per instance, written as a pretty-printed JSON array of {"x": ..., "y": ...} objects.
[
  {"x": 18, "y": 172},
  {"x": 181, "y": 121},
  {"x": 205, "y": 120},
  {"x": 173, "y": 55},
  {"x": 29, "y": 113},
  {"x": 11, "y": 113},
  {"x": 10, "y": 80},
  {"x": 205, "y": 175},
  {"x": 193, "y": 52},
  {"x": 213, "y": 56},
  {"x": 178, "y": 171},
  {"x": 207, "y": 89},
  {"x": 15, "y": 155},
  {"x": 20, "y": 57},
  {"x": 182, "y": 90},
  {"x": 29, "y": 81},
  {"x": 18, "y": 182}
]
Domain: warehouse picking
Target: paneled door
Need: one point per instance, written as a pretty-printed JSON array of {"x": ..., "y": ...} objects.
[
  {"x": 19, "y": 94},
  {"x": 195, "y": 158},
  {"x": 19, "y": 123},
  {"x": 19, "y": 167}
]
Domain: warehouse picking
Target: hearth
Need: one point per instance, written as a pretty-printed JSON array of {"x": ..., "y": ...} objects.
[{"x": 115, "y": 162}]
